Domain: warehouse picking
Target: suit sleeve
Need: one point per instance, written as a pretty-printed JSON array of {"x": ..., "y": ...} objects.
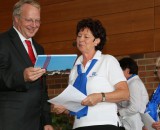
[{"x": 10, "y": 77}]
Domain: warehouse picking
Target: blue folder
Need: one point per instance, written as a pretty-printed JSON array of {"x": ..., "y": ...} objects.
[{"x": 56, "y": 62}]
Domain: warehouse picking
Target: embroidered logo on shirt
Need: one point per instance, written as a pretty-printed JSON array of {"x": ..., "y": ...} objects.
[{"x": 93, "y": 74}]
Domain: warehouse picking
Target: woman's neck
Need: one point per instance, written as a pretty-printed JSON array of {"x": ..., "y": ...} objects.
[{"x": 87, "y": 57}]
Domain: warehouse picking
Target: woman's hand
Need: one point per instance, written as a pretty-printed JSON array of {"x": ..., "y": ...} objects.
[
  {"x": 58, "y": 109},
  {"x": 156, "y": 125},
  {"x": 92, "y": 99}
]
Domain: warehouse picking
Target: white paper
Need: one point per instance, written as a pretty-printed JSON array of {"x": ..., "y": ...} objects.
[
  {"x": 70, "y": 98},
  {"x": 147, "y": 120}
]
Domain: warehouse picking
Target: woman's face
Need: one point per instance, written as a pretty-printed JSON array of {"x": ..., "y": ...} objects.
[{"x": 86, "y": 42}]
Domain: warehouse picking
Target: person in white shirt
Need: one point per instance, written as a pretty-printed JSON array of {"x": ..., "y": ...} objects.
[
  {"x": 99, "y": 77},
  {"x": 129, "y": 110}
]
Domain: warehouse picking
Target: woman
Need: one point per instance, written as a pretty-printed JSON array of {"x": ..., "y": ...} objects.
[
  {"x": 155, "y": 98},
  {"x": 129, "y": 110},
  {"x": 102, "y": 80}
]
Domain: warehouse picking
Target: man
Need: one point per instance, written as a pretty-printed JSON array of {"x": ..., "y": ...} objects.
[
  {"x": 23, "y": 92},
  {"x": 129, "y": 110}
]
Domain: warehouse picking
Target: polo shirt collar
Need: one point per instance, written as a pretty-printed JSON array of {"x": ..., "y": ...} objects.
[{"x": 96, "y": 56}]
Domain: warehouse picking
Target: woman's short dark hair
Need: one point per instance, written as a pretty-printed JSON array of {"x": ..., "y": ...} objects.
[
  {"x": 130, "y": 64},
  {"x": 96, "y": 28}
]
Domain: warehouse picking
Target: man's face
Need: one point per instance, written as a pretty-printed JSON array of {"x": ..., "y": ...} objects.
[{"x": 29, "y": 21}]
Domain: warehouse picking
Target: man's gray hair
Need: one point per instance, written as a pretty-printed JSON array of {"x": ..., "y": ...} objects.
[{"x": 20, "y": 3}]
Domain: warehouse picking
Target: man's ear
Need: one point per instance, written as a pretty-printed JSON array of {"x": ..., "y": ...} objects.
[{"x": 16, "y": 19}]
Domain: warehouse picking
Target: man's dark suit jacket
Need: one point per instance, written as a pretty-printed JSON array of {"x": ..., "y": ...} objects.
[{"x": 22, "y": 105}]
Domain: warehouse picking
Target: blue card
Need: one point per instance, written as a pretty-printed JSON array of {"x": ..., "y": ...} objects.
[{"x": 56, "y": 62}]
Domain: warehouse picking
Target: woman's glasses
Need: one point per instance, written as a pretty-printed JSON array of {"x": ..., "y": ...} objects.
[{"x": 157, "y": 69}]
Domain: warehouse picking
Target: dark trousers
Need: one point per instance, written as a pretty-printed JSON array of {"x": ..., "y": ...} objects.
[{"x": 99, "y": 127}]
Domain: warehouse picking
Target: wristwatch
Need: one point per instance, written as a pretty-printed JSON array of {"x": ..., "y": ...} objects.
[{"x": 103, "y": 97}]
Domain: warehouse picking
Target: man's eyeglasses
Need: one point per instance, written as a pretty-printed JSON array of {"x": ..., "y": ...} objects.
[{"x": 31, "y": 21}]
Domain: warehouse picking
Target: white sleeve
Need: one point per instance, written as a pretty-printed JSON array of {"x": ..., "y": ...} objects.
[
  {"x": 115, "y": 73},
  {"x": 135, "y": 100}
]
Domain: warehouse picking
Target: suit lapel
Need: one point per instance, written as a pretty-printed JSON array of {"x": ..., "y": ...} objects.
[{"x": 19, "y": 46}]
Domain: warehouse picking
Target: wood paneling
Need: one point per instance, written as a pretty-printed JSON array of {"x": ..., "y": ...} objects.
[
  {"x": 78, "y": 9},
  {"x": 121, "y": 44},
  {"x": 130, "y": 21},
  {"x": 49, "y": 2},
  {"x": 157, "y": 17},
  {"x": 6, "y": 20},
  {"x": 7, "y": 5},
  {"x": 157, "y": 2},
  {"x": 132, "y": 25},
  {"x": 60, "y": 31},
  {"x": 157, "y": 40},
  {"x": 65, "y": 47},
  {"x": 6, "y": 10},
  {"x": 116, "y": 23},
  {"x": 130, "y": 43}
]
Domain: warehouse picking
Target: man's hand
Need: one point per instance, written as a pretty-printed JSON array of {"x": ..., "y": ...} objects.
[
  {"x": 31, "y": 74},
  {"x": 58, "y": 109}
]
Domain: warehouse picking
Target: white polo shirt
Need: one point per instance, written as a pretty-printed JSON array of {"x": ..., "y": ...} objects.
[{"x": 102, "y": 78}]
